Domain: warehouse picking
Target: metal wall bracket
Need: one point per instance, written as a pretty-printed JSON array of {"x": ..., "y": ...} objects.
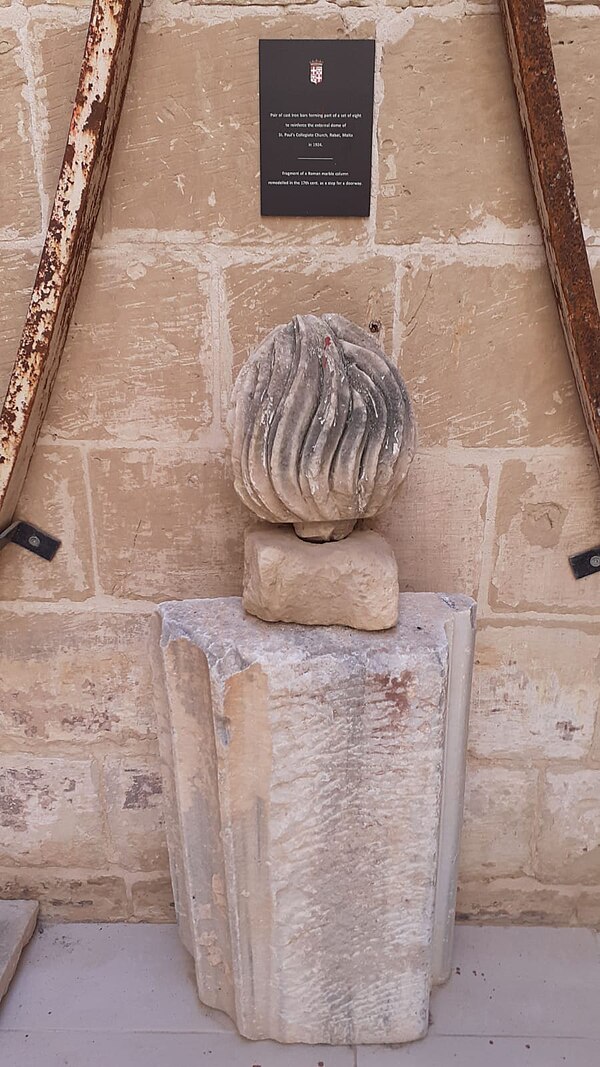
[
  {"x": 584, "y": 563},
  {"x": 27, "y": 536}
]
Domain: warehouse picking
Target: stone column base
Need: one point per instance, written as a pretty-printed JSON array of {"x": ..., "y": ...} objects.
[{"x": 312, "y": 817}]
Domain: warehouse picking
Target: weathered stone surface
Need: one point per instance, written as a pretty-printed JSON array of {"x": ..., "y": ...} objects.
[
  {"x": 499, "y": 822},
  {"x": 54, "y": 498},
  {"x": 152, "y": 899},
  {"x": 17, "y": 923},
  {"x": 304, "y": 788},
  {"x": 535, "y": 690},
  {"x": 472, "y": 338},
  {"x": 185, "y": 158},
  {"x": 50, "y": 813},
  {"x": 362, "y": 290},
  {"x": 436, "y": 524},
  {"x": 568, "y": 846},
  {"x": 452, "y": 155},
  {"x": 548, "y": 508},
  {"x": 168, "y": 523},
  {"x": 20, "y": 201},
  {"x": 17, "y": 272},
  {"x": 322, "y": 430},
  {"x": 517, "y": 900},
  {"x": 77, "y": 677},
  {"x": 145, "y": 321},
  {"x": 576, "y": 46},
  {"x": 134, "y": 803},
  {"x": 353, "y": 582},
  {"x": 72, "y": 894}
]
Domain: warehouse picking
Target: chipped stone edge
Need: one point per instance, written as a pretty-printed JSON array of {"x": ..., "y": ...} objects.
[
  {"x": 460, "y": 629},
  {"x": 24, "y": 934}
]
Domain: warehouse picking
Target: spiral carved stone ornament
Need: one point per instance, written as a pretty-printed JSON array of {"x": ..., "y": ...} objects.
[{"x": 322, "y": 427}]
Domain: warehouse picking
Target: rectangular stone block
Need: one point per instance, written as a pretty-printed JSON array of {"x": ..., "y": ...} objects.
[
  {"x": 313, "y": 794},
  {"x": 576, "y": 45},
  {"x": 535, "y": 691},
  {"x": 168, "y": 523},
  {"x": 548, "y": 509},
  {"x": 133, "y": 794},
  {"x": 20, "y": 209},
  {"x": 186, "y": 155},
  {"x": 142, "y": 323},
  {"x": 54, "y": 498},
  {"x": 80, "y": 896},
  {"x": 471, "y": 341},
  {"x": 75, "y": 677},
  {"x": 17, "y": 923},
  {"x": 50, "y": 813},
  {"x": 499, "y": 822},
  {"x": 352, "y": 582},
  {"x": 568, "y": 843},
  {"x": 17, "y": 273},
  {"x": 435, "y": 524},
  {"x": 153, "y": 900},
  {"x": 451, "y": 155},
  {"x": 516, "y": 900},
  {"x": 260, "y": 296}
]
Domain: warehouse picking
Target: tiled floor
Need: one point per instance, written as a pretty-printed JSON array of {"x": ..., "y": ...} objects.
[{"x": 124, "y": 996}]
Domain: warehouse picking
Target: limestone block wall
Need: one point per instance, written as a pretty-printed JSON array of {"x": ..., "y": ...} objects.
[{"x": 131, "y": 470}]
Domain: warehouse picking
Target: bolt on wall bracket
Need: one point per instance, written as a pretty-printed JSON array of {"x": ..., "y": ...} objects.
[{"x": 27, "y": 536}]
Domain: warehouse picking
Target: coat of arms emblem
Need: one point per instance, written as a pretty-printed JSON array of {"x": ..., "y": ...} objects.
[{"x": 316, "y": 71}]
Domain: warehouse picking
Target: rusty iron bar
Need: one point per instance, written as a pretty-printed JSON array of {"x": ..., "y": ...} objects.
[
  {"x": 102, "y": 82},
  {"x": 534, "y": 76}
]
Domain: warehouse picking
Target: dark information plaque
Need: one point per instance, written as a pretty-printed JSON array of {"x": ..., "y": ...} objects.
[{"x": 316, "y": 122}]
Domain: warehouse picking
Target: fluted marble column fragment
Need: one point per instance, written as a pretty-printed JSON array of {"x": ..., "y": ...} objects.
[{"x": 312, "y": 817}]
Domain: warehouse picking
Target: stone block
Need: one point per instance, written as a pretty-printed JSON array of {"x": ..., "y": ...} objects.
[
  {"x": 435, "y": 524},
  {"x": 134, "y": 804},
  {"x": 17, "y": 923},
  {"x": 353, "y": 582},
  {"x": 17, "y": 273},
  {"x": 452, "y": 155},
  {"x": 153, "y": 900},
  {"x": 535, "y": 691},
  {"x": 306, "y": 793},
  {"x": 54, "y": 497},
  {"x": 167, "y": 522},
  {"x": 145, "y": 322},
  {"x": 185, "y": 158},
  {"x": 72, "y": 896},
  {"x": 50, "y": 813},
  {"x": 548, "y": 508},
  {"x": 20, "y": 209},
  {"x": 588, "y": 907},
  {"x": 516, "y": 900},
  {"x": 568, "y": 843},
  {"x": 576, "y": 46},
  {"x": 472, "y": 338},
  {"x": 499, "y": 822},
  {"x": 75, "y": 677},
  {"x": 260, "y": 296}
]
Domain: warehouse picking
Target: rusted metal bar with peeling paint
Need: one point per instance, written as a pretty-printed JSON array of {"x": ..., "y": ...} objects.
[
  {"x": 102, "y": 82},
  {"x": 534, "y": 75}
]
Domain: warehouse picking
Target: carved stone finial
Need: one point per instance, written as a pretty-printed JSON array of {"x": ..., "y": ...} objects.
[{"x": 322, "y": 427}]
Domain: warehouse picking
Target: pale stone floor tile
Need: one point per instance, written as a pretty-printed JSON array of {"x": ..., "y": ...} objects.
[
  {"x": 483, "y": 1052},
  {"x": 88, "y": 995},
  {"x": 92, "y": 1049},
  {"x": 88, "y": 976},
  {"x": 521, "y": 981}
]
